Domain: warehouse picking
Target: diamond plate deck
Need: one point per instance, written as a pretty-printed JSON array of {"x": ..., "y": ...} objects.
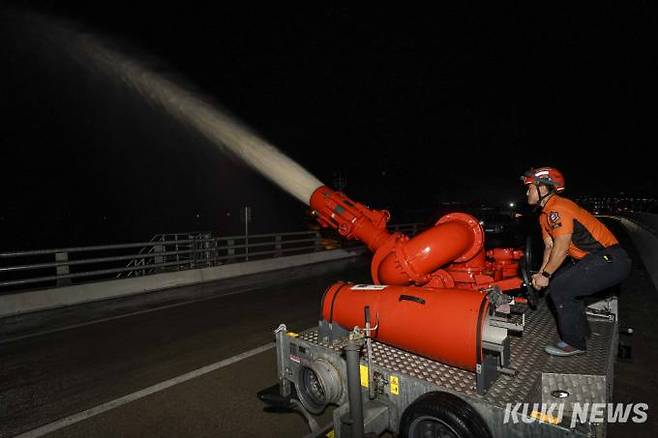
[{"x": 528, "y": 358}]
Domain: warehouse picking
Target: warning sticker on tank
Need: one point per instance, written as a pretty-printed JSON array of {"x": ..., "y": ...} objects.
[
  {"x": 369, "y": 287},
  {"x": 363, "y": 372},
  {"x": 395, "y": 385}
]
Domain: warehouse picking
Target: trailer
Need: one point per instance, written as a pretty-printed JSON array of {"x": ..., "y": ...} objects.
[
  {"x": 413, "y": 396},
  {"x": 448, "y": 341}
]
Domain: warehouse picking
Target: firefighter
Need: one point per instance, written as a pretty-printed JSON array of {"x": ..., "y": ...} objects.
[{"x": 597, "y": 260}]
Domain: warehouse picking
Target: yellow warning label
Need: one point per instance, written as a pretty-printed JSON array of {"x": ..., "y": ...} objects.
[
  {"x": 331, "y": 434},
  {"x": 395, "y": 385},
  {"x": 363, "y": 370},
  {"x": 546, "y": 418},
  {"x": 293, "y": 334}
]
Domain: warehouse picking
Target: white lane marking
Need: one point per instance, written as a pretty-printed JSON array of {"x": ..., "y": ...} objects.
[
  {"x": 84, "y": 415},
  {"x": 123, "y": 315}
]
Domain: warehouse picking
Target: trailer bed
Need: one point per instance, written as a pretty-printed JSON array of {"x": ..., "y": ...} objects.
[{"x": 587, "y": 377}]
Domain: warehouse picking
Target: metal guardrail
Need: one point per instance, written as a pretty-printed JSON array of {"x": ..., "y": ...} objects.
[{"x": 57, "y": 267}]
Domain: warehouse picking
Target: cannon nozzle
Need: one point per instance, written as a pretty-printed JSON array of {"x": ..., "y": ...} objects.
[{"x": 351, "y": 219}]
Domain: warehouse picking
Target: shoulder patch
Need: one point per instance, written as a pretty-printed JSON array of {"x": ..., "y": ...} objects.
[{"x": 554, "y": 219}]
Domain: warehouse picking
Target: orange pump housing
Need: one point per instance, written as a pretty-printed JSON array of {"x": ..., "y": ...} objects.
[
  {"x": 442, "y": 324},
  {"x": 449, "y": 254}
]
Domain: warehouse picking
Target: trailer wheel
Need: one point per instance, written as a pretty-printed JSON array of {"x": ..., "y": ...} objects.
[{"x": 442, "y": 415}]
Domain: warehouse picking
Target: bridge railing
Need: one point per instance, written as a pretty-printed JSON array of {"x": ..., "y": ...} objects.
[{"x": 163, "y": 253}]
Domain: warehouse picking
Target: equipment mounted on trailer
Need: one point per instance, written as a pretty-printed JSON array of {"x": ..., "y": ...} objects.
[{"x": 437, "y": 346}]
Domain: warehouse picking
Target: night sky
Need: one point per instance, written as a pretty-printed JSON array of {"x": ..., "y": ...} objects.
[{"x": 413, "y": 107}]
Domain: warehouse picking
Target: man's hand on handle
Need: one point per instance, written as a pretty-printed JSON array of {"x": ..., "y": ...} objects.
[{"x": 539, "y": 281}]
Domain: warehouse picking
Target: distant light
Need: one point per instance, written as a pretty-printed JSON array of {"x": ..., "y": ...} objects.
[{"x": 511, "y": 204}]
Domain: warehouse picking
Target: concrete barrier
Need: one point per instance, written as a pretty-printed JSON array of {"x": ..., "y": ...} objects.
[
  {"x": 32, "y": 301},
  {"x": 648, "y": 221},
  {"x": 640, "y": 229}
]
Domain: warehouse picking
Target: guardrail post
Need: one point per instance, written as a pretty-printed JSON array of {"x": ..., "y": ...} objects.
[
  {"x": 62, "y": 269},
  {"x": 177, "y": 255},
  {"x": 194, "y": 247},
  {"x": 158, "y": 259},
  {"x": 231, "y": 250},
  {"x": 277, "y": 245},
  {"x": 205, "y": 244},
  {"x": 215, "y": 252}
]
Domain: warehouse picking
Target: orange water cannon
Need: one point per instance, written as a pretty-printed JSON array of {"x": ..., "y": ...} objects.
[{"x": 449, "y": 254}]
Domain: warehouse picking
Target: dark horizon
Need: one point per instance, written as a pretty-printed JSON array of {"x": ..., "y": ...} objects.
[{"x": 411, "y": 107}]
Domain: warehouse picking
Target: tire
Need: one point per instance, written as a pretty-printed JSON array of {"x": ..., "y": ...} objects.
[
  {"x": 442, "y": 415},
  {"x": 533, "y": 251},
  {"x": 530, "y": 292},
  {"x": 527, "y": 265}
]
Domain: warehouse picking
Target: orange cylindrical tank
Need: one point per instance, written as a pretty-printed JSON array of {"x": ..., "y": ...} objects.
[{"x": 441, "y": 324}]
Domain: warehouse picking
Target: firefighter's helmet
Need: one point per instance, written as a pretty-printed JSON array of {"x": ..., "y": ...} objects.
[{"x": 549, "y": 176}]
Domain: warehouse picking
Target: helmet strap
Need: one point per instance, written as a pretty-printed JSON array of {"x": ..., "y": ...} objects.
[{"x": 551, "y": 191}]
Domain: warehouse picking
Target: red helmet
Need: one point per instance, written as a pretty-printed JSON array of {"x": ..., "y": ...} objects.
[{"x": 549, "y": 176}]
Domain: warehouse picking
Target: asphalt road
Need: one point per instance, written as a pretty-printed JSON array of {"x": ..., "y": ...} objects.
[{"x": 50, "y": 376}]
